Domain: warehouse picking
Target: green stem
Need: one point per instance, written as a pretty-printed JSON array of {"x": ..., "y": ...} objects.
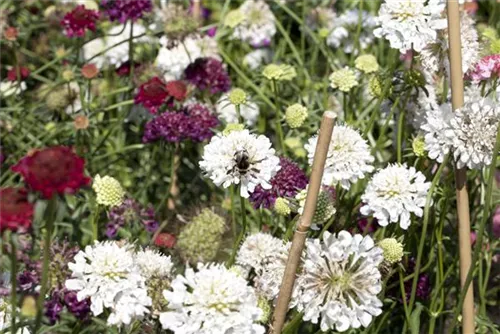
[
  {"x": 480, "y": 233},
  {"x": 233, "y": 211},
  {"x": 238, "y": 114},
  {"x": 403, "y": 296},
  {"x": 401, "y": 124},
  {"x": 95, "y": 223},
  {"x": 13, "y": 281},
  {"x": 279, "y": 129},
  {"x": 237, "y": 243},
  {"x": 49, "y": 227},
  {"x": 425, "y": 223}
]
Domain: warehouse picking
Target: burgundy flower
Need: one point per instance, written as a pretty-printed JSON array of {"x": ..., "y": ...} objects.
[
  {"x": 208, "y": 73},
  {"x": 423, "y": 283},
  {"x": 16, "y": 213},
  {"x": 165, "y": 240},
  {"x": 80, "y": 19},
  {"x": 202, "y": 122},
  {"x": 128, "y": 213},
  {"x": 177, "y": 89},
  {"x": 53, "y": 170},
  {"x": 152, "y": 94},
  {"x": 124, "y": 69},
  {"x": 80, "y": 309},
  {"x": 125, "y": 10},
  {"x": 27, "y": 280},
  {"x": 24, "y": 72},
  {"x": 53, "y": 308},
  {"x": 366, "y": 226},
  {"x": 287, "y": 182}
]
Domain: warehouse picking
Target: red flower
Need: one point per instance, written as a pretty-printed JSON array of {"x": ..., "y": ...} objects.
[
  {"x": 177, "y": 89},
  {"x": 53, "y": 170},
  {"x": 152, "y": 94},
  {"x": 78, "y": 20},
  {"x": 165, "y": 240},
  {"x": 24, "y": 72},
  {"x": 16, "y": 212}
]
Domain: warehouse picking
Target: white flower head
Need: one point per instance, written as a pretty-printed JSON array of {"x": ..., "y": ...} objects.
[
  {"x": 153, "y": 264},
  {"x": 211, "y": 300},
  {"x": 9, "y": 88},
  {"x": 394, "y": 193},
  {"x": 259, "y": 249},
  {"x": 249, "y": 111},
  {"x": 108, "y": 274},
  {"x": 348, "y": 159},
  {"x": 173, "y": 61},
  {"x": 438, "y": 135},
  {"x": 240, "y": 158},
  {"x": 256, "y": 58},
  {"x": 474, "y": 128},
  {"x": 340, "y": 281},
  {"x": 258, "y": 24},
  {"x": 345, "y": 26},
  {"x": 410, "y": 24},
  {"x": 96, "y": 51}
]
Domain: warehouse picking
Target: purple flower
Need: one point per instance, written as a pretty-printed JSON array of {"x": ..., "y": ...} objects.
[
  {"x": 128, "y": 213},
  {"x": 212, "y": 31},
  {"x": 80, "y": 19},
  {"x": 27, "y": 280},
  {"x": 202, "y": 122},
  {"x": 53, "y": 308},
  {"x": 125, "y": 10},
  {"x": 287, "y": 182},
  {"x": 423, "y": 284},
  {"x": 366, "y": 226},
  {"x": 80, "y": 309},
  {"x": 208, "y": 73}
]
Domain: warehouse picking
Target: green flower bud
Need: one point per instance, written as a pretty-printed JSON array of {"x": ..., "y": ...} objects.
[
  {"x": 344, "y": 79},
  {"x": 234, "y": 18},
  {"x": 237, "y": 96},
  {"x": 295, "y": 115},
  {"x": 281, "y": 206},
  {"x": 108, "y": 190},
  {"x": 393, "y": 250},
  {"x": 232, "y": 127},
  {"x": 281, "y": 72},
  {"x": 366, "y": 63},
  {"x": 263, "y": 304},
  {"x": 418, "y": 146}
]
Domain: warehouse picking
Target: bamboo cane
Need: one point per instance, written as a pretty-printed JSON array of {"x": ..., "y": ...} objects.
[
  {"x": 457, "y": 101},
  {"x": 299, "y": 237},
  {"x": 196, "y": 9}
]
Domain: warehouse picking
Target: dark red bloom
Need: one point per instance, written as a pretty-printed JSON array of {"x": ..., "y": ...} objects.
[
  {"x": 124, "y": 69},
  {"x": 177, "y": 89},
  {"x": 208, "y": 73},
  {"x": 16, "y": 213},
  {"x": 124, "y": 10},
  {"x": 165, "y": 240},
  {"x": 53, "y": 170},
  {"x": 24, "y": 72},
  {"x": 152, "y": 94},
  {"x": 78, "y": 20}
]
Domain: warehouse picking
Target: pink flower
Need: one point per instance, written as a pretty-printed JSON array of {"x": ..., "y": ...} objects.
[
  {"x": 487, "y": 67},
  {"x": 78, "y": 20}
]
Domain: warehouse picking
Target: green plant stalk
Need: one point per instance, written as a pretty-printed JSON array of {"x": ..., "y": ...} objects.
[
  {"x": 238, "y": 113},
  {"x": 95, "y": 223},
  {"x": 292, "y": 47},
  {"x": 279, "y": 129},
  {"x": 401, "y": 125},
  {"x": 13, "y": 281},
  {"x": 233, "y": 212},
  {"x": 425, "y": 223},
  {"x": 480, "y": 233},
  {"x": 403, "y": 296},
  {"x": 238, "y": 240},
  {"x": 49, "y": 227}
]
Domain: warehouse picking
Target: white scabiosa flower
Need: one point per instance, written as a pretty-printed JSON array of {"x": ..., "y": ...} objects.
[
  {"x": 211, "y": 300},
  {"x": 340, "y": 281},
  {"x": 257, "y": 58},
  {"x": 257, "y": 26},
  {"x": 259, "y": 249},
  {"x": 9, "y": 88},
  {"x": 438, "y": 135},
  {"x": 348, "y": 159},
  {"x": 394, "y": 193},
  {"x": 474, "y": 129},
  {"x": 173, "y": 61},
  {"x": 344, "y": 29},
  {"x": 240, "y": 158},
  {"x": 249, "y": 111},
  {"x": 410, "y": 24},
  {"x": 152, "y": 263},
  {"x": 108, "y": 274}
]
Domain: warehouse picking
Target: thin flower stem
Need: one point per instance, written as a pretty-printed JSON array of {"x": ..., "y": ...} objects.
[
  {"x": 13, "y": 281},
  {"x": 480, "y": 232},
  {"x": 401, "y": 124},
  {"x": 279, "y": 129},
  {"x": 403, "y": 295},
  {"x": 238, "y": 113},
  {"x": 233, "y": 212},
  {"x": 95, "y": 223},
  {"x": 237, "y": 242},
  {"x": 49, "y": 227},
  {"x": 425, "y": 223}
]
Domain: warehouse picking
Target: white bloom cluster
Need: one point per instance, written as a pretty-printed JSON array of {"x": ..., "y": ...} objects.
[
  {"x": 348, "y": 159},
  {"x": 257, "y": 26},
  {"x": 434, "y": 57},
  {"x": 240, "y": 158},
  {"x": 394, "y": 193},
  {"x": 249, "y": 111},
  {"x": 173, "y": 61},
  {"x": 469, "y": 132},
  {"x": 117, "y": 40},
  {"x": 340, "y": 281},
  {"x": 115, "y": 278},
  {"x": 256, "y": 58},
  {"x": 211, "y": 300},
  {"x": 410, "y": 24},
  {"x": 9, "y": 88},
  {"x": 345, "y": 26},
  {"x": 5, "y": 319}
]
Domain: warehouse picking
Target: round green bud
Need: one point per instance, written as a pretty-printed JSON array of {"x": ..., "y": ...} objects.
[
  {"x": 418, "y": 146},
  {"x": 108, "y": 190},
  {"x": 281, "y": 206},
  {"x": 263, "y": 304},
  {"x": 295, "y": 115},
  {"x": 366, "y": 63},
  {"x": 344, "y": 79},
  {"x": 232, "y": 127},
  {"x": 393, "y": 250},
  {"x": 281, "y": 72},
  {"x": 237, "y": 96},
  {"x": 234, "y": 18}
]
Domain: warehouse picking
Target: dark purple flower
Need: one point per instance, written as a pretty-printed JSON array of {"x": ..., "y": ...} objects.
[
  {"x": 423, "y": 284},
  {"x": 27, "y": 280},
  {"x": 152, "y": 94},
  {"x": 208, "y": 73},
  {"x": 80, "y": 309},
  {"x": 287, "y": 182},
  {"x": 366, "y": 226},
  {"x": 53, "y": 308},
  {"x": 202, "y": 122},
  {"x": 212, "y": 31},
  {"x": 128, "y": 213},
  {"x": 125, "y": 10},
  {"x": 80, "y": 19}
]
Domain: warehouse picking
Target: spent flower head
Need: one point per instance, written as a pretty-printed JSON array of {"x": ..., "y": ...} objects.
[{"x": 344, "y": 79}]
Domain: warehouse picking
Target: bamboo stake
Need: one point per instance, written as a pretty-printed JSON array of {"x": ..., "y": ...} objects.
[
  {"x": 299, "y": 237},
  {"x": 196, "y": 9},
  {"x": 457, "y": 101}
]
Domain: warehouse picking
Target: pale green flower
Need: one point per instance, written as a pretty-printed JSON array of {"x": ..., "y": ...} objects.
[
  {"x": 234, "y": 18},
  {"x": 281, "y": 72},
  {"x": 418, "y": 146},
  {"x": 393, "y": 250},
  {"x": 108, "y": 190},
  {"x": 281, "y": 206},
  {"x": 295, "y": 115},
  {"x": 344, "y": 79},
  {"x": 366, "y": 63},
  {"x": 232, "y": 127},
  {"x": 237, "y": 96}
]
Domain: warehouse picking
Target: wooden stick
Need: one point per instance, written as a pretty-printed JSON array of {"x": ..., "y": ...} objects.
[
  {"x": 457, "y": 101},
  {"x": 196, "y": 9},
  {"x": 299, "y": 237}
]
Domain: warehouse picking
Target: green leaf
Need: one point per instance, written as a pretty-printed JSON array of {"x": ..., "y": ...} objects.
[{"x": 415, "y": 319}]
